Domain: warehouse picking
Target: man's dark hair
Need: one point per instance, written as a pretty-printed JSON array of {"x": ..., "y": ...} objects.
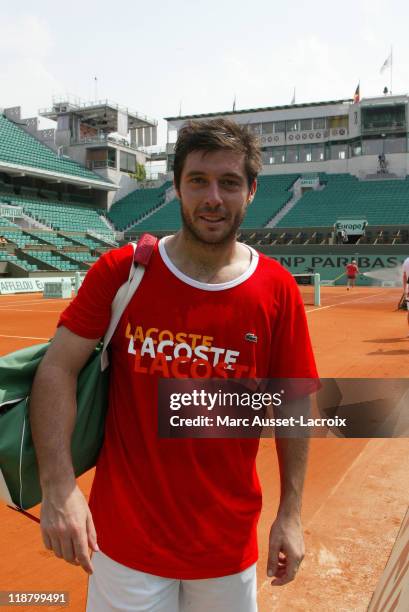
[{"x": 217, "y": 135}]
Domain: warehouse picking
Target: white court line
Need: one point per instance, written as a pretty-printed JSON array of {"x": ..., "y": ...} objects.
[
  {"x": 23, "y": 337},
  {"x": 320, "y": 308},
  {"x": 10, "y": 306},
  {"x": 19, "y": 297},
  {"x": 27, "y": 310}
]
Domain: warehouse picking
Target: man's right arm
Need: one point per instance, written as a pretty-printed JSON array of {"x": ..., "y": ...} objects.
[{"x": 66, "y": 522}]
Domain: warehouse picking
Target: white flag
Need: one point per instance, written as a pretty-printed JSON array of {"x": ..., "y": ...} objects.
[
  {"x": 387, "y": 63},
  {"x": 293, "y": 98}
]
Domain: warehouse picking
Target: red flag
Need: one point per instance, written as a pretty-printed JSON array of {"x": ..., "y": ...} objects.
[{"x": 357, "y": 95}]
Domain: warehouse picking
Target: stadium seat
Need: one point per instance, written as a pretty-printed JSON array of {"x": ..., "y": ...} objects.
[{"x": 383, "y": 202}]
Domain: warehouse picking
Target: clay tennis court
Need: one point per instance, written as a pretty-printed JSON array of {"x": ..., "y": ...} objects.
[{"x": 356, "y": 494}]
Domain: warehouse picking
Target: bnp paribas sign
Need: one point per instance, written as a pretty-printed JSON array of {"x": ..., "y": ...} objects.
[{"x": 351, "y": 226}]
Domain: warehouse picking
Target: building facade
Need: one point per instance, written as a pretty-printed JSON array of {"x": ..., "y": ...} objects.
[{"x": 335, "y": 137}]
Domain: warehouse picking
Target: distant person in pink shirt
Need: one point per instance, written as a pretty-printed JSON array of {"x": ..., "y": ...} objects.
[
  {"x": 351, "y": 272},
  {"x": 406, "y": 284}
]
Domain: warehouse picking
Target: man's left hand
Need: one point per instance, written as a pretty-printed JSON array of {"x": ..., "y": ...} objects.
[{"x": 286, "y": 549}]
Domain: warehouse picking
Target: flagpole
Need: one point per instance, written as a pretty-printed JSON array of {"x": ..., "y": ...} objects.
[{"x": 391, "y": 67}]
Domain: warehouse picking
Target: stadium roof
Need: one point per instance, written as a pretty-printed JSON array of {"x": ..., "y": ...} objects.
[
  {"x": 102, "y": 114},
  {"x": 257, "y": 110},
  {"x": 20, "y": 152}
]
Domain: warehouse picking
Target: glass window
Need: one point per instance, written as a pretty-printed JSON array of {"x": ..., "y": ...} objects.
[
  {"x": 320, "y": 123},
  {"x": 356, "y": 149},
  {"x": 131, "y": 163},
  {"x": 122, "y": 161},
  {"x": 127, "y": 162},
  {"x": 305, "y": 153},
  {"x": 317, "y": 152},
  {"x": 277, "y": 156},
  {"x": 340, "y": 121},
  {"x": 293, "y": 125},
  {"x": 391, "y": 117},
  {"x": 395, "y": 145},
  {"x": 306, "y": 124},
  {"x": 372, "y": 147},
  {"x": 279, "y": 127},
  {"x": 291, "y": 155},
  {"x": 63, "y": 122},
  {"x": 267, "y": 128},
  {"x": 339, "y": 151},
  {"x": 171, "y": 160},
  {"x": 255, "y": 128},
  {"x": 267, "y": 155}
]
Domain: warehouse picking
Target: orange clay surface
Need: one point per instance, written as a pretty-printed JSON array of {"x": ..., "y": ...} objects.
[{"x": 356, "y": 492}]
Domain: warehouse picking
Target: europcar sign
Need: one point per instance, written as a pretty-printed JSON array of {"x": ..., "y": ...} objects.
[{"x": 352, "y": 226}]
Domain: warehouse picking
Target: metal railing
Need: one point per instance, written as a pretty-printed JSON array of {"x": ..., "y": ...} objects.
[
  {"x": 374, "y": 128},
  {"x": 76, "y": 103},
  {"x": 12, "y": 212},
  {"x": 104, "y": 139},
  {"x": 154, "y": 150},
  {"x": 98, "y": 164},
  {"x": 101, "y": 237}
]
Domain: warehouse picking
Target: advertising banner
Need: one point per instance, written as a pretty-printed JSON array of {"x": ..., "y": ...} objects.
[
  {"x": 355, "y": 227},
  {"x": 26, "y": 285}
]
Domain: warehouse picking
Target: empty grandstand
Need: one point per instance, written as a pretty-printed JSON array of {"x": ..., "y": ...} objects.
[
  {"x": 323, "y": 163},
  {"x": 127, "y": 211},
  {"x": 52, "y": 208},
  {"x": 58, "y": 216},
  {"x": 272, "y": 194},
  {"x": 19, "y": 148},
  {"x": 382, "y": 202}
]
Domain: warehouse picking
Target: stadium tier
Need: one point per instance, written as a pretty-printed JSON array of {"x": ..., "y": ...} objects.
[
  {"x": 381, "y": 202},
  {"x": 166, "y": 218},
  {"x": 91, "y": 244},
  {"x": 126, "y": 212},
  {"x": 6, "y": 223},
  {"x": 52, "y": 260},
  {"x": 20, "y": 148},
  {"x": 54, "y": 239},
  {"x": 272, "y": 194},
  {"x": 62, "y": 217},
  {"x": 19, "y": 261},
  {"x": 19, "y": 238},
  {"x": 82, "y": 257}
]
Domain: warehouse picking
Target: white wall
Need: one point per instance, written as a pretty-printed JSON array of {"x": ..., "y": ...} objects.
[
  {"x": 398, "y": 163},
  {"x": 126, "y": 186}
]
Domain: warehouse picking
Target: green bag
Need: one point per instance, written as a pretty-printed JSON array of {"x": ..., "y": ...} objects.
[
  {"x": 18, "y": 463},
  {"x": 19, "y": 479}
]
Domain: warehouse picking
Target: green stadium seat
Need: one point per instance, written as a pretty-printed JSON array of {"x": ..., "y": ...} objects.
[
  {"x": 20, "y": 147},
  {"x": 383, "y": 202}
]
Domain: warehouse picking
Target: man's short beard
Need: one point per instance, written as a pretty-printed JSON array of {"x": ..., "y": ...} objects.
[{"x": 195, "y": 235}]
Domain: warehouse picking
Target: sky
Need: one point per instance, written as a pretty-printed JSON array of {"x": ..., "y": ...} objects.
[{"x": 159, "y": 57}]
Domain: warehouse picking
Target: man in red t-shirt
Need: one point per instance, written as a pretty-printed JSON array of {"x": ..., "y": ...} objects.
[
  {"x": 351, "y": 272},
  {"x": 175, "y": 519}
]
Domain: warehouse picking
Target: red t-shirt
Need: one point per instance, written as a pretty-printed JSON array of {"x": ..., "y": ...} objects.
[
  {"x": 352, "y": 270},
  {"x": 184, "y": 508}
]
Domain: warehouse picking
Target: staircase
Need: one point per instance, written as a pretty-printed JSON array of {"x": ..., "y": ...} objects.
[{"x": 297, "y": 195}]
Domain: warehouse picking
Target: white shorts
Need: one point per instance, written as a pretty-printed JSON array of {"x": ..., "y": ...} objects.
[{"x": 115, "y": 587}]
